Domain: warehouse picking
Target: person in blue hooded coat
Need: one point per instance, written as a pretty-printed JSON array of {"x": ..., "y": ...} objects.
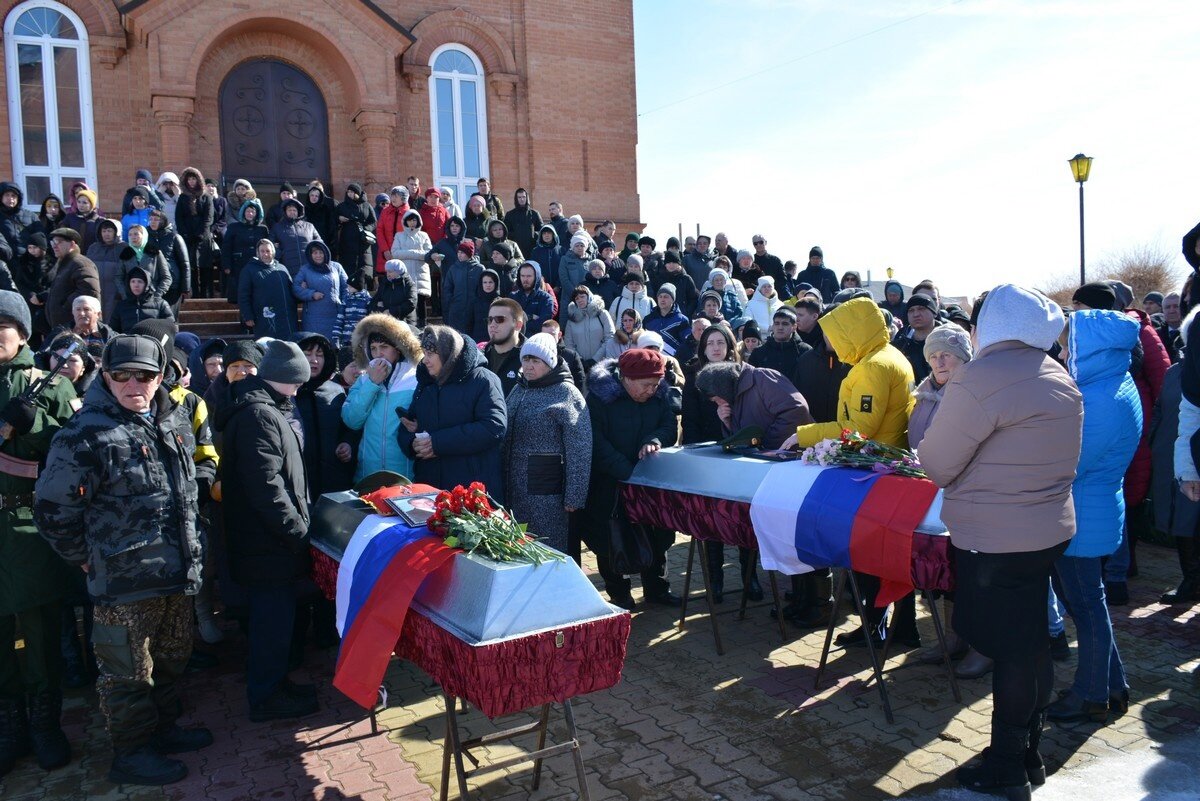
[
  {"x": 265, "y": 300},
  {"x": 548, "y": 252},
  {"x": 1097, "y": 353},
  {"x": 535, "y": 300},
  {"x": 323, "y": 286},
  {"x": 241, "y": 244},
  {"x": 292, "y": 234},
  {"x": 455, "y": 428}
]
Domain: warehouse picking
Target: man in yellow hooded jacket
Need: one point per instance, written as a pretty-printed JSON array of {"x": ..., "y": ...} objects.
[{"x": 876, "y": 397}]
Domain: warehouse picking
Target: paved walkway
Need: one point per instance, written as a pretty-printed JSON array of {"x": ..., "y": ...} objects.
[{"x": 685, "y": 724}]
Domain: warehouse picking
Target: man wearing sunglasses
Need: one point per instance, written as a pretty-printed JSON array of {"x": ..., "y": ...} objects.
[{"x": 118, "y": 499}]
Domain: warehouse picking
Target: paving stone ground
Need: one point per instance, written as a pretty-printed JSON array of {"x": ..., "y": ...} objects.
[{"x": 684, "y": 723}]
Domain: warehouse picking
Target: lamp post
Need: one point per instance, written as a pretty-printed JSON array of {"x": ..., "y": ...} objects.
[{"x": 1081, "y": 167}]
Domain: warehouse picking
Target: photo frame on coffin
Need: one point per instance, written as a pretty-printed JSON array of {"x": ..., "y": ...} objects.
[{"x": 415, "y": 510}]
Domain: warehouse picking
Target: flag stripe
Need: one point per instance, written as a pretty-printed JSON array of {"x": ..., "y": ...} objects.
[
  {"x": 826, "y": 516},
  {"x": 881, "y": 536}
]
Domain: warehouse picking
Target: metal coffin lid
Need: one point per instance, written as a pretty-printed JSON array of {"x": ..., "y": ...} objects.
[
  {"x": 705, "y": 470},
  {"x": 335, "y": 518},
  {"x": 479, "y": 600}
]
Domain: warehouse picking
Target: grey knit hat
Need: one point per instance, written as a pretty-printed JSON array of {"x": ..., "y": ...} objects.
[
  {"x": 14, "y": 307},
  {"x": 949, "y": 339},
  {"x": 284, "y": 363},
  {"x": 541, "y": 346},
  {"x": 666, "y": 289},
  {"x": 719, "y": 379}
]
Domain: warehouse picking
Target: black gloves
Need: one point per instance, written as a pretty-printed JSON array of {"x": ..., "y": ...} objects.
[{"x": 20, "y": 414}]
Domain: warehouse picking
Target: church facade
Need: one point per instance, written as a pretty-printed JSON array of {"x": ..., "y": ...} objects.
[{"x": 523, "y": 92}]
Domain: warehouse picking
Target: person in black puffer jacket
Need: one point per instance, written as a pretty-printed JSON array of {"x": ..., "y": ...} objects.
[
  {"x": 460, "y": 406},
  {"x": 265, "y": 507},
  {"x": 329, "y": 445},
  {"x": 140, "y": 303}
]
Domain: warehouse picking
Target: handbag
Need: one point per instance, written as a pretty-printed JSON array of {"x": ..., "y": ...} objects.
[
  {"x": 628, "y": 545},
  {"x": 368, "y": 237}
]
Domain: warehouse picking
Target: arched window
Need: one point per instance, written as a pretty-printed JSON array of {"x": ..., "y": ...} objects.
[
  {"x": 458, "y": 111},
  {"x": 49, "y": 99}
]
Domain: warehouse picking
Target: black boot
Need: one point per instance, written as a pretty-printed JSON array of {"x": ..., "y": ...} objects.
[
  {"x": 817, "y": 603},
  {"x": 750, "y": 585},
  {"x": 146, "y": 766},
  {"x": 1188, "y": 590},
  {"x": 1000, "y": 770},
  {"x": 50, "y": 745},
  {"x": 1035, "y": 768},
  {"x": 714, "y": 552},
  {"x": 14, "y": 733}
]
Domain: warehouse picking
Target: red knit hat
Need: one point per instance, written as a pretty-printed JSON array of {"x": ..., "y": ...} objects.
[
  {"x": 433, "y": 190},
  {"x": 638, "y": 363},
  {"x": 467, "y": 246}
]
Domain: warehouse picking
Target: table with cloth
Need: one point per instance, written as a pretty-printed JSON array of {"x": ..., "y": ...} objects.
[
  {"x": 476, "y": 627},
  {"x": 799, "y": 517}
]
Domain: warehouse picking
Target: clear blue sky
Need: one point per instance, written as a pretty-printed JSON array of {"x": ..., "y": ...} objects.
[{"x": 937, "y": 146}]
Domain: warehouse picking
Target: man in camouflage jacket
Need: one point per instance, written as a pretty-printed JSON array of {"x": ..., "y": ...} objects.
[
  {"x": 32, "y": 577},
  {"x": 118, "y": 499}
]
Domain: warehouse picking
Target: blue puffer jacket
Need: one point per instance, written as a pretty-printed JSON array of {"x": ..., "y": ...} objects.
[
  {"x": 1098, "y": 359},
  {"x": 537, "y": 303}
]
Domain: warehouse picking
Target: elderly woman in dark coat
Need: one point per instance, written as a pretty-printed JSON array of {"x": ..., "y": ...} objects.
[
  {"x": 455, "y": 428},
  {"x": 753, "y": 396},
  {"x": 548, "y": 445}
]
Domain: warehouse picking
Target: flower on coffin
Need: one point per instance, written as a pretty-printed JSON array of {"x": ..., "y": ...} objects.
[
  {"x": 852, "y": 449},
  {"x": 466, "y": 518}
]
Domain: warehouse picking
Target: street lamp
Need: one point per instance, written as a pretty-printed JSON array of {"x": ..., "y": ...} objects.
[{"x": 1081, "y": 167}]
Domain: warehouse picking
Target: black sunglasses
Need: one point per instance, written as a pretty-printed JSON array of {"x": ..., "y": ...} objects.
[{"x": 123, "y": 376}]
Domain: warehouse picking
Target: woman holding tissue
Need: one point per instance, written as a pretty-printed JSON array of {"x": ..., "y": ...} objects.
[{"x": 387, "y": 355}]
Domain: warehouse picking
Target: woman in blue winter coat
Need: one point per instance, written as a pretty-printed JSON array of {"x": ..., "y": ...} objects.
[
  {"x": 456, "y": 425},
  {"x": 1097, "y": 355},
  {"x": 322, "y": 285},
  {"x": 548, "y": 252},
  {"x": 387, "y": 354},
  {"x": 265, "y": 299}
]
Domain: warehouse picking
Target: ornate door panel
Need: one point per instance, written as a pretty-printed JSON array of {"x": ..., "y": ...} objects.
[{"x": 274, "y": 126}]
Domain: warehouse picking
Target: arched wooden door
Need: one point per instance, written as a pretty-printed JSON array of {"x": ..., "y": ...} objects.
[{"x": 274, "y": 127}]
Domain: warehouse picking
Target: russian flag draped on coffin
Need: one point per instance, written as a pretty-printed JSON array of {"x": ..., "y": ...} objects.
[
  {"x": 806, "y": 516},
  {"x": 383, "y": 567}
]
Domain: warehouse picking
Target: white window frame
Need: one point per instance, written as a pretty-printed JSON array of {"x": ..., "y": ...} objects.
[
  {"x": 56, "y": 172},
  {"x": 463, "y": 185}
]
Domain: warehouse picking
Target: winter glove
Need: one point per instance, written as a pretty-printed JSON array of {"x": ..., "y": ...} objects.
[{"x": 20, "y": 414}]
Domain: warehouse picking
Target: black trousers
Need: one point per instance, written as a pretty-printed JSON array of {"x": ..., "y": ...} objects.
[
  {"x": 1000, "y": 609},
  {"x": 42, "y": 671},
  {"x": 272, "y": 612}
]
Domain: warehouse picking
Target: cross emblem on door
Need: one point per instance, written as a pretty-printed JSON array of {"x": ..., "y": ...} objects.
[{"x": 299, "y": 123}]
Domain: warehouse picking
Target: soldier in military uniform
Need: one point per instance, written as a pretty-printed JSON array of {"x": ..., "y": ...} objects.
[
  {"x": 118, "y": 499},
  {"x": 32, "y": 577}
]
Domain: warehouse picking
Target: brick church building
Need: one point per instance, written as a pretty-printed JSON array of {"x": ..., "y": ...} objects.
[{"x": 525, "y": 92}]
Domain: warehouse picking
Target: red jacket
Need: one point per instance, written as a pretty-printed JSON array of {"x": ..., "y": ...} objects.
[
  {"x": 433, "y": 221},
  {"x": 385, "y": 231},
  {"x": 1149, "y": 380}
]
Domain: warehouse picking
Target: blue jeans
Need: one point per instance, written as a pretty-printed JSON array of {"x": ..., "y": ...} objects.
[
  {"x": 1056, "y": 611},
  {"x": 1100, "y": 671},
  {"x": 1116, "y": 567}
]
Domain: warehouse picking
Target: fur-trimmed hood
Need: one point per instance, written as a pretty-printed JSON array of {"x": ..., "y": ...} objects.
[
  {"x": 395, "y": 331},
  {"x": 604, "y": 382}
]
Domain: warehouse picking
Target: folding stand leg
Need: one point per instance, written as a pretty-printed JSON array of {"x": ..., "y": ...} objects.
[
  {"x": 778, "y": 604},
  {"x": 577, "y": 751},
  {"x": 712, "y": 613},
  {"x": 833, "y": 613},
  {"x": 456, "y": 744},
  {"x": 866, "y": 629},
  {"x": 941, "y": 635},
  {"x": 687, "y": 584},
  {"x": 446, "y": 748},
  {"x": 541, "y": 743}
]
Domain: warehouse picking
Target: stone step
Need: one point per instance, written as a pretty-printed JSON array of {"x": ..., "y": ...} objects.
[{"x": 190, "y": 316}]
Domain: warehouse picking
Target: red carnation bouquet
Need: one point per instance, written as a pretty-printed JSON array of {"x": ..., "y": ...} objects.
[{"x": 466, "y": 518}]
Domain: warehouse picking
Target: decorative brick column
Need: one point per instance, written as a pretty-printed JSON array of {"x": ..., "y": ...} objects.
[
  {"x": 377, "y": 129},
  {"x": 173, "y": 115}
]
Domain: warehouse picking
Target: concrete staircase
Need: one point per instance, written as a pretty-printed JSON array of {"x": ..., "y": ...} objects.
[{"x": 215, "y": 317}]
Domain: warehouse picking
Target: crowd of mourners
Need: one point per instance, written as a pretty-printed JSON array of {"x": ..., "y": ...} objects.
[{"x": 160, "y": 483}]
